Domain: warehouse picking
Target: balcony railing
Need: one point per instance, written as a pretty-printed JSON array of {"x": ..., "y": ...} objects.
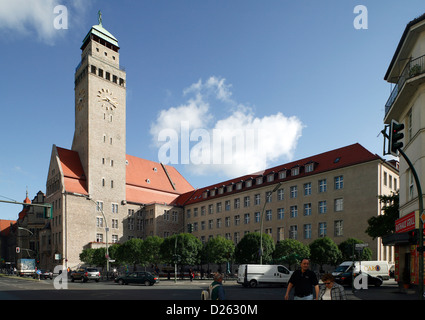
[{"x": 413, "y": 68}]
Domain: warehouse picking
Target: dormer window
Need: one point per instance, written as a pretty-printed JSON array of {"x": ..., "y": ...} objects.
[
  {"x": 270, "y": 177},
  {"x": 230, "y": 188},
  {"x": 259, "y": 180},
  {"x": 282, "y": 174},
  {"x": 295, "y": 171},
  {"x": 309, "y": 167},
  {"x": 248, "y": 183},
  {"x": 239, "y": 186}
]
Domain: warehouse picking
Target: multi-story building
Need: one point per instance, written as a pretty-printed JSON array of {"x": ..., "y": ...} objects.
[
  {"x": 406, "y": 105},
  {"x": 100, "y": 194},
  {"x": 332, "y": 194}
]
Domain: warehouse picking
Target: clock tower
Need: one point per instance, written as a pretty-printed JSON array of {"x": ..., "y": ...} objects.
[{"x": 100, "y": 116}]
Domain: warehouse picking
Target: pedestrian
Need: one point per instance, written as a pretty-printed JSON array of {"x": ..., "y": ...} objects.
[
  {"x": 303, "y": 280},
  {"x": 217, "y": 293},
  {"x": 330, "y": 290},
  {"x": 190, "y": 275}
]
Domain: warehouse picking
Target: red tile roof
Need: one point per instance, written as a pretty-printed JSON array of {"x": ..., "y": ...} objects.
[
  {"x": 74, "y": 177},
  {"x": 331, "y": 160},
  {"x": 5, "y": 227},
  {"x": 146, "y": 181}
]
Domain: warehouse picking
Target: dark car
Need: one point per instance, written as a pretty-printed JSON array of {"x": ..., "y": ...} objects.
[
  {"x": 86, "y": 274},
  {"x": 345, "y": 279},
  {"x": 145, "y": 278}
]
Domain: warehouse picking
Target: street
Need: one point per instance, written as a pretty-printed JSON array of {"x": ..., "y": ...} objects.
[{"x": 13, "y": 288}]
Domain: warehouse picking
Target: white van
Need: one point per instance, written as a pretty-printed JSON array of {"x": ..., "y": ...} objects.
[
  {"x": 380, "y": 269},
  {"x": 251, "y": 275}
]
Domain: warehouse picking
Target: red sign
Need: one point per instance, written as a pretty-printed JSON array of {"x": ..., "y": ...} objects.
[{"x": 406, "y": 223}]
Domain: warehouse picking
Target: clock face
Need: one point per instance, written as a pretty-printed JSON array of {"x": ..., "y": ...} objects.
[
  {"x": 81, "y": 99},
  {"x": 107, "y": 99}
]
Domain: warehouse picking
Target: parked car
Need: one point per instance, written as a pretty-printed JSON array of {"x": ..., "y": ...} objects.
[
  {"x": 85, "y": 274},
  {"x": 346, "y": 279},
  {"x": 145, "y": 278}
]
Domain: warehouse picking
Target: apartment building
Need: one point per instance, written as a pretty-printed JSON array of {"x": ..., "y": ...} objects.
[
  {"x": 331, "y": 194},
  {"x": 406, "y": 104}
]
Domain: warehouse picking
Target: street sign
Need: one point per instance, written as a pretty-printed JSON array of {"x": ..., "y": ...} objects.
[
  {"x": 361, "y": 246},
  {"x": 18, "y": 249},
  {"x": 423, "y": 217}
]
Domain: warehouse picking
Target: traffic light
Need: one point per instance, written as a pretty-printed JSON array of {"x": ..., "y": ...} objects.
[
  {"x": 190, "y": 227},
  {"x": 395, "y": 137},
  {"x": 413, "y": 236}
]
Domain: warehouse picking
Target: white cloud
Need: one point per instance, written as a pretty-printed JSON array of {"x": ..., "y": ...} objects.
[
  {"x": 240, "y": 143},
  {"x": 29, "y": 17}
]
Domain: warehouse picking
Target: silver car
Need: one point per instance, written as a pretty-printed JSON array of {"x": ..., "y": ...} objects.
[{"x": 86, "y": 274}]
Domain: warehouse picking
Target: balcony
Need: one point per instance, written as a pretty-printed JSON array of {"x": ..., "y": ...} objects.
[{"x": 414, "y": 68}]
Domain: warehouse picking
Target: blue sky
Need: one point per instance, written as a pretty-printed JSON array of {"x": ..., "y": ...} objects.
[{"x": 302, "y": 62}]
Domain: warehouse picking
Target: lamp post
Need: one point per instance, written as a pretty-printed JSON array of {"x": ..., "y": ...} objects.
[{"x": 262, "y": 218}]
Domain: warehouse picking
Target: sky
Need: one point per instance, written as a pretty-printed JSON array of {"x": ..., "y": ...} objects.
[{"x": 284, "y": 79}]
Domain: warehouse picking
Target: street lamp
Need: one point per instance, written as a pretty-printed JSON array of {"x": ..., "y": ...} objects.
[{"x": 262, "y": 218}]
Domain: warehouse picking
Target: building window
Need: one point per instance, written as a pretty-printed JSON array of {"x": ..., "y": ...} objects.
[
  {"x": 307, "y": 209},
  {"x": 237, "y": 203},
  {"x": 210, "y": 209},
  {"x": 99, "y": 222},
  {"x": 322, "y": 207},
  {"x": 339, "y": 205},
  {"x": 293, "y": 192},
  {"x": 322, "y": 185},
  {"x": 99, "y": 206},
  {"x": 309, "y": 167},
  {"x": 339, "y": 183},
  {"x": 218, "y": 207},
  {"x": 322, "y": 229},
  {"x": 257, "y": 199},
  {"x": 280, "y": 213},
  {"x": 295, "y": 171},
  {"x": 307, "y": 189},
  {"x": 268, "y": 215},
  {"x": 246, "y": 201},
  {"x": 257, "y": 217},
  {"x": 114, "y": 208},
  {"x": 99, "y": 237},
  {"x": 227, "y": 221},
  {"x": 293, "y": 232},
  {"x": 282, "y": 174},
  {"x": 339, "y": 228},
  {"x": 227, "y": 205},
  {"x": 203, "y": 211},
  {"x": 268, "y": 196},
  {"x": 114, "y": 224},
  {"x": 237, "y": 220},
  {"x": 307, "y": 231},
  {"x": 293, "y": 211},
  {"x": 280, "y": 194},
  {"x": 219, "y": 223},
  {"x": 246, "y": 218}
]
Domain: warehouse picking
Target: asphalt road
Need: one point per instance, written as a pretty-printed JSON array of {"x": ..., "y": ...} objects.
[{"x": 13, "y": 288}]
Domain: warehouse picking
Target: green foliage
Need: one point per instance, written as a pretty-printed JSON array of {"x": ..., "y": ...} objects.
[
  {"x": 290, "y": 252},
  {"x": 346, "y": 249},
  {"x": 187, "y": 247},
  {"x": 248, "y": 249},
  {"x": 325, "y": 251},
  {"x": 218, "y": 250},
  {"x": 384, "y": 224}
]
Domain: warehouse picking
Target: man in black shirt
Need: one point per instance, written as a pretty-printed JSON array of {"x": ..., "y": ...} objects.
[{"x": 303, "y": 281}]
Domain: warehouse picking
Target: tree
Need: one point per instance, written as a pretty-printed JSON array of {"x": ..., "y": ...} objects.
[
  {"x": 325, "y": 251},
  {"x": 346, "y": 249},
  {"x": 384, "y": 224},
  {"x": 248, "y": 249},
  {"x": 151, "y": 250},
  {"x": 86, "y": 256},
  {"x": 290, "y": 251},
  {"x": 131, "y": 252},
  {"x": 188, "y": 249},
  {"x": 219, "y": 250}
]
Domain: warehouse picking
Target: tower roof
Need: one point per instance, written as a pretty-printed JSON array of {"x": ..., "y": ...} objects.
[{"x": 100, "y": 32}]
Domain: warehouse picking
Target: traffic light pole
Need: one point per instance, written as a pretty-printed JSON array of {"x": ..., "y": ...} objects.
[{"x": 421, "y": 225}]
